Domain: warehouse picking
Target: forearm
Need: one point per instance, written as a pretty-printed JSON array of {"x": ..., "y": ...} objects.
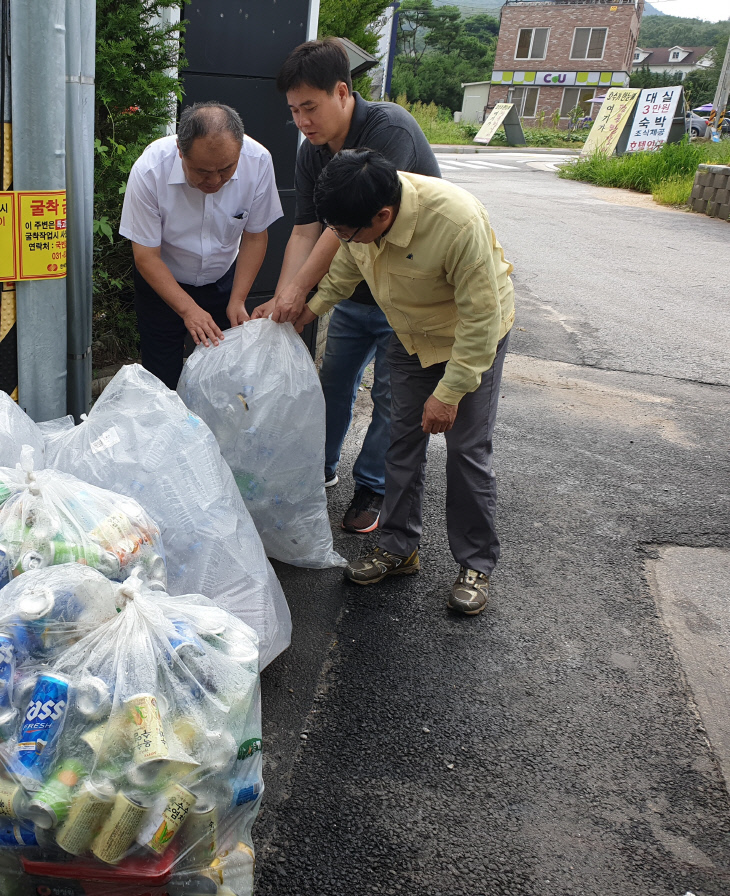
[
  {"x": 157, "y": 274},
  {"x": 250, "y": 258},
  {"x": 306, "y": 261}
]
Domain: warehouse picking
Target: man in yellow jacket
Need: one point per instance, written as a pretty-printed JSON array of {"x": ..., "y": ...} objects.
[{"x": 429, "y": 255}]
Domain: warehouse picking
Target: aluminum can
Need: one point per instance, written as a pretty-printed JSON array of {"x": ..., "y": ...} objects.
[
  {"x": 42, "y": 724},
  {"x": 36, "y": 605},
  {"x": 211, "y": 621},
  {"x": 13, "y": 801},
  {"x": 89, "y": 554},
  {"x": 8, "y": 656},
  {"x": 23, "y": 690},
  {"x": 148, "y": 737},
  {"x": 158, "y": 773},
  {"x": 51, "y": 803},
  {"x": 37, "y": 559},
  {"x": 249, "y": 792},
  {"x": 89, "y": 809},
  {"x": 222, "y": 752},
  {"x": 201, "y": 833},
  {"x": 119, "y": 829},
  {"x": 92, "y": 698},
  {"x": 14, "y": 835},
  {"x": 185, "y": 640},
  {"x": 232, "y": 864},
  {"x": 180, "y": 801}
]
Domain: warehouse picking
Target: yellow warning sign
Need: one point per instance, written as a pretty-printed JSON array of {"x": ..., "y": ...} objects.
[
  {"x": 33, "y": 235},
  {"x": 8, "y": 260}
]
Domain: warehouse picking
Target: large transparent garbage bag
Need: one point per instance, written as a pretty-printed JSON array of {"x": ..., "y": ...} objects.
[
  {"x": 260, "y": 394},
  {"x": 52, "y": 518},
  {"x": 134, "y": 762},
  {"x": 16, "y": 430},
  {"x": 140, "y": 440}
]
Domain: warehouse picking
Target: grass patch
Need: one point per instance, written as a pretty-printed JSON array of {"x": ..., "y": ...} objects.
[
  {"x": 668, "y": 174},
  {"x": 676, "y": 191},
  {"x": 439, "y": 126}
]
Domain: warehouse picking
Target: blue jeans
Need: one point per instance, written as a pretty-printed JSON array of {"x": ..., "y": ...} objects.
[{"x": 357, "y": 333}]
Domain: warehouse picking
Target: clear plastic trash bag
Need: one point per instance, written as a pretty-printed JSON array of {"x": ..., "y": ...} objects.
[
  {"x": 16, "y": 430},
  {"x": 49, "y": 517},
  {"x": 140, "y": 440},
  {"x": 133, "y": 757},
  {"x": 260, "y": 394}
]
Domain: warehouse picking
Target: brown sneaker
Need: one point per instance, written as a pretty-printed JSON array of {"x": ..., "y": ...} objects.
[
  {"x": 470, "y": 592},
  {"x": 378, "y": 564},
  {"x": 364, "y": 511}
]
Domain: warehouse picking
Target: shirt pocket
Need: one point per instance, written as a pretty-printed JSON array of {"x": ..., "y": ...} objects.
[
  {"x": 228, "y": 229},
  {"x": 405, "y": 273}
]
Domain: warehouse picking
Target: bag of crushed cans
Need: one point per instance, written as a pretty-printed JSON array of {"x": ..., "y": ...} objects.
[
  {"x": 260, "y": 394},
  {"x": 16, "y": 430},
  {"x": 130, "y": 759},
  {"x": 48, "y": 518},
  {"x": 141, "y": 441}
]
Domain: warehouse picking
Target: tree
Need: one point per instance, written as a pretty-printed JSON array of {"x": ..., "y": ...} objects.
[
  {"x": 350, "y": 19},
  {"x": 134, "y": 101},
  {"x": 438, "y": 52},
  {"x": 673, "y": 31},
  {"x": 645, "y": 78}
]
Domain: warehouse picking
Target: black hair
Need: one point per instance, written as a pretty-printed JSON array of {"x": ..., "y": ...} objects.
[
  {"x": 204, "y": 119},
  {"x": 318, "y": 63},
  {"x": 354, "y": 186}
]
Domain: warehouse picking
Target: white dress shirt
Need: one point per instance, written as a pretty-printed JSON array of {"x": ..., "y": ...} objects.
[{"x": 198, "y": 234}]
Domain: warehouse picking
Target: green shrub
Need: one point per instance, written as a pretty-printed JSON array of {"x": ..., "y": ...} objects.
[
  {"x": 135, "y": 99},
  {"x": 646, "y": 171}
]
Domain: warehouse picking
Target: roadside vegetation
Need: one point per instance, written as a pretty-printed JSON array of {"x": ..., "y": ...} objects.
[
  {"x": 135, "y": 99},
  {"x": 667, "y": 174},
  {"x": 438, "y": 124}
]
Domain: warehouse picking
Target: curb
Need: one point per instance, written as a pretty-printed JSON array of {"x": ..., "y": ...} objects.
[{"x": 461, "y": 148}]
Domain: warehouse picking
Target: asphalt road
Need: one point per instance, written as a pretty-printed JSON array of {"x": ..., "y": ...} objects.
[{"x": 554, "y": 745}]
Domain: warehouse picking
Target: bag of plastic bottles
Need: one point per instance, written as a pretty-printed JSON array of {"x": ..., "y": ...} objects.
[
  {"x": 133, "y": 759},
  {"x": 140, "y": 440},
  {"x": 16, "y": 430},
  {"x": 260, "y": 394},
  {"x": 50, "y": 517}
]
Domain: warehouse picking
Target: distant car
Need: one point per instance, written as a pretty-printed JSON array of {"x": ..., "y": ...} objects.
[{"x": 695, "y": 125}]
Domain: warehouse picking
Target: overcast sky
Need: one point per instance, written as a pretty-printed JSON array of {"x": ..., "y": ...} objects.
[{"x": 710, "y": 10}]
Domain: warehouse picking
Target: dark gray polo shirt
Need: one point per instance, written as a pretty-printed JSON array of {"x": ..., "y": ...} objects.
[{"x": 385, "y": 127}]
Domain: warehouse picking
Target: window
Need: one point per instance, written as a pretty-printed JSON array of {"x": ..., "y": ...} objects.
[
  {"x": 588, "y": 43},
  {"x": 637, "y": 57},
  {"x": 675, "y": 54},
  {"x": 576, "y": 96},
  {"x": 532, "y": 43},
  {"x": 525, "y": 99}
]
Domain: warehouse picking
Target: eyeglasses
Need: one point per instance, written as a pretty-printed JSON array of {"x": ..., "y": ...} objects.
[{"x": 339, "y": 236}]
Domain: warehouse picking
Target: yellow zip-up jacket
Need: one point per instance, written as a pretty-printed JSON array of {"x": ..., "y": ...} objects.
[{"x": 441, "y": 278}]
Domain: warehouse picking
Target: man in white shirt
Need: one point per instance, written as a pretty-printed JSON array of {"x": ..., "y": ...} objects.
[{"x": 197, "y": 209}]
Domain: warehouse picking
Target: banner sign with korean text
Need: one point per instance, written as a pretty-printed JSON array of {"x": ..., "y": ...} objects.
[
  {"x": 502, "y": 114},
  {"x": 32, "y": 235},
  {"x": 611, "y": 120},
  {"x": 652, "y": 122}
]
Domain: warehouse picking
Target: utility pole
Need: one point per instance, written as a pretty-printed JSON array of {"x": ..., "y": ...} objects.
[{"x": 723, "y": 88}]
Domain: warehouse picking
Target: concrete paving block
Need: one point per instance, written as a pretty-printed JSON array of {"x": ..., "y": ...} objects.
[
  {"x": 708, "y": 193},
  {"x": 719, "y": 182},
  {"x": 697, "y": 189},
  {"x": 712, "y": 208},
  {"x": 722, "y": 196},
  {"x": 699, "y": 205},
  {"x": 724, "y": 211}
]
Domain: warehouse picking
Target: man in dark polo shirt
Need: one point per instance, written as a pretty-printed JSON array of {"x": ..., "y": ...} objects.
[{"x": 316, "y": 80}]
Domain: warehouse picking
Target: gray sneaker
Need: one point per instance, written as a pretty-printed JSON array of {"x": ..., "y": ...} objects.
[
  {"x": 470, "y": 592},
  {"x": 378, "y": 564}
]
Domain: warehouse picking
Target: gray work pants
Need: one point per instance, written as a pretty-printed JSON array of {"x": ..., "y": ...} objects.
[{"x": 471, "y": 487}]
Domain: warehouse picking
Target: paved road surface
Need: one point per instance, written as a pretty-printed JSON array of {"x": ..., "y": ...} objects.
[{"x": 553, "y": 746}]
